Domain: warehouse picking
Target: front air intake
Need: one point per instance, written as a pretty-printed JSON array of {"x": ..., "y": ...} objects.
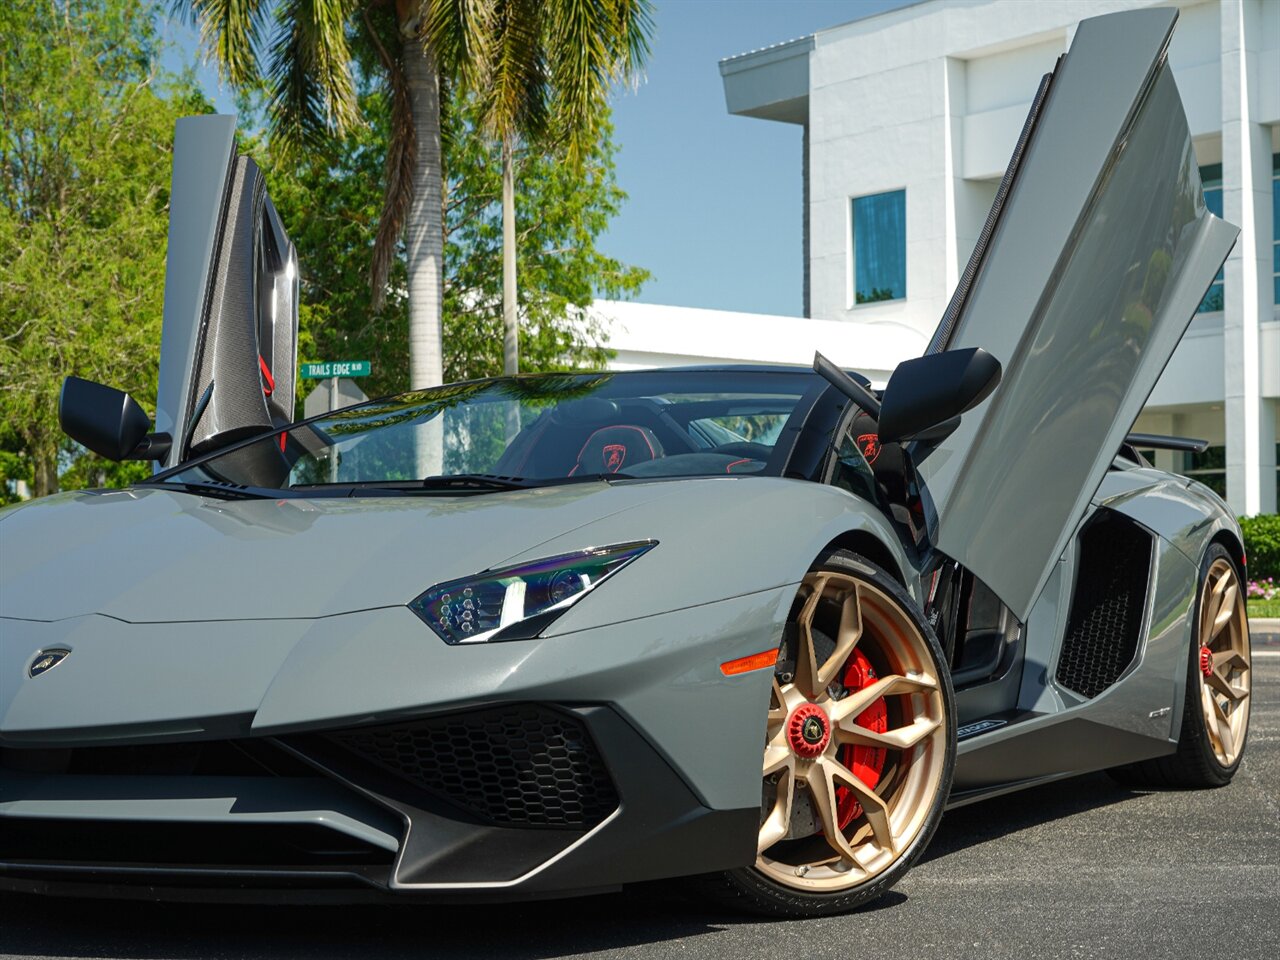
[
  {"x": 525, "y": 765},
  {"x": 1113, "y": 564}
]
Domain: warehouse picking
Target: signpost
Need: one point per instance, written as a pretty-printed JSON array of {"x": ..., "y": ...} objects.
[
  {"x": 340, "y": 395},
  {"x": 341, "y": 392}
]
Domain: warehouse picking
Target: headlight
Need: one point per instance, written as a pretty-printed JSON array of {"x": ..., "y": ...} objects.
[{"x": 517, "y": 603}]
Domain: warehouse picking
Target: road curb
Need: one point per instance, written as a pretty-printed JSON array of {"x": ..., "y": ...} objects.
[{"x": 1264, "y": 631}]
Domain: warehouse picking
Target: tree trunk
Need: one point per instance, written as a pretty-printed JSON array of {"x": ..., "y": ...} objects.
[
  {"x": 424, "y": 227},
  {"x": 424, "y": 244},
  {"x": 44, "y": 469},
  {"x": 510, "y": 304}
]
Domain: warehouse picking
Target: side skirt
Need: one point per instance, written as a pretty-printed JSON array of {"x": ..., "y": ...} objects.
[{"x": 1038, "y": 752}]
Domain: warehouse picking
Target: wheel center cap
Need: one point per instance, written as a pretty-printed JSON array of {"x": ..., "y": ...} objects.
[
  {"x": 808, "y": 731},
  {"x": 1206, "y": 661}
]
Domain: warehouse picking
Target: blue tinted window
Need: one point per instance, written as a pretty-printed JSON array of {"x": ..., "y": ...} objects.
[
  {"x": 880, "y": 247},
  {"x": 1211, "y": 180},
  {"x": 1275, "y": 224}
]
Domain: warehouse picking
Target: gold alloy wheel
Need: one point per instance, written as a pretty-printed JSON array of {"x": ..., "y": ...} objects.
[
  {"x": 809, "y": 731},
  {"x": 1224, "y": 661}
]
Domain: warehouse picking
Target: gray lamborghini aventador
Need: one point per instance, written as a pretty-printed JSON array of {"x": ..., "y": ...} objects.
[{"x": 552, "y": 634}]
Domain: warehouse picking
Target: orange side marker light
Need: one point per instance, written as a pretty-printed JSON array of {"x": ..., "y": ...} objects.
[{"x": 757, "y": 661}]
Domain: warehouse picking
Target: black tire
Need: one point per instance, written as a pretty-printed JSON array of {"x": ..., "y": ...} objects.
[
  {"x": 749, "y": 890},
  {"x": 1195, "y": 765}
]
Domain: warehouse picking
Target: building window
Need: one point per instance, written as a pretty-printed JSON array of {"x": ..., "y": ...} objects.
[
  {"x": 1211, "y": 180},
  {"x": 1209, "y": 467},
  {"x": 1275, "y": 225},
  {"x": 880, "y": 247}
]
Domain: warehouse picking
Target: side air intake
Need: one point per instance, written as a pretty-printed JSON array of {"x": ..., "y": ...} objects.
[{"x": 1105, "y": 623}]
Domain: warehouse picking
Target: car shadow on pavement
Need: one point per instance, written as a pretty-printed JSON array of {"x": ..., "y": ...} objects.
[
  {"x": 655, "y": 915},
  {"x": 970, "y": 826}
]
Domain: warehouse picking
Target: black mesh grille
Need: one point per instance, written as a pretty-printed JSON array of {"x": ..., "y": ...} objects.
[
  {"x": 1103, "y": 629},
  {"x": 520, "y": 765}
]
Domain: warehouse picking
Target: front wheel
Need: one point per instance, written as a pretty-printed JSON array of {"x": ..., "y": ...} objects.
[{"x": 859, "y": 747}]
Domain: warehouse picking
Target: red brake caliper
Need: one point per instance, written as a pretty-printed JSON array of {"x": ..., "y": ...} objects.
[{"x": 866, "y": 763}]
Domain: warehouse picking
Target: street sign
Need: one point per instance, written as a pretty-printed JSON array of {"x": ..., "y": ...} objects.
[{"x": 336, "y": 368}]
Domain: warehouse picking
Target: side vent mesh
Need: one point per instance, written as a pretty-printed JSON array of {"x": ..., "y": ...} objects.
[
  {"x": 523, "y": 765},
  {"x": 1105, "y": 623}
]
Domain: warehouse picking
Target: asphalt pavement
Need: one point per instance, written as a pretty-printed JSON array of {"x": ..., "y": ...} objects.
[{"x": 1078, "y": 869}]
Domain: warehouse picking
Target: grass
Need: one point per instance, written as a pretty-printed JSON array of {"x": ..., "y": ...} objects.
[{"x": 1264, "y": 608}]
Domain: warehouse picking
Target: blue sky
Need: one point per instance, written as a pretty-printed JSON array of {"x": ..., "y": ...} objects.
[{"x": 715, "y": 208}]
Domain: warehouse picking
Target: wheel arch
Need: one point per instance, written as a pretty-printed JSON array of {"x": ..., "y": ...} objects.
[
  {"x": 1234, "y": 547},
  {"x": 867, "y": 544}
]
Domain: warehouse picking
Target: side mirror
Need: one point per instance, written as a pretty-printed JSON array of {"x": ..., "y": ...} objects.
[
  {"x": 929, "y": 393},
  {"x": 107, "y": 421}
]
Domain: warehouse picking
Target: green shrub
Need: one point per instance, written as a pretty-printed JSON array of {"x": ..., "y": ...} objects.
[{"x": 1262, "y": 544}]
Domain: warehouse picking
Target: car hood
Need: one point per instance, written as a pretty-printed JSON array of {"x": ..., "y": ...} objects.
[{"x": 148, "y": 555}]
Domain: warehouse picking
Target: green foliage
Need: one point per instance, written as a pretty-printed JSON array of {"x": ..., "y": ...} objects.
[
  {"x": 85, "y": 143},
  {"x": 330, "y": 200},
  {"x": 874, "y": 295},
  {"x": 1262, "y": 545},
  {"x": 561, "y": 212},
  {"x": 541, "y": 69},
  {"x": 85, "y": 154},
  {"x": 307, "y": 76}
]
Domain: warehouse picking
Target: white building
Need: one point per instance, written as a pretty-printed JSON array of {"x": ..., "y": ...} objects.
[{"x": 908, "y": 119}]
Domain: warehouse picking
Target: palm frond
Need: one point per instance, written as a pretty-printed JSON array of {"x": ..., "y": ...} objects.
[
  {"x": 633, "y": 25},
  {"x": 461, "y": 34},
  {"x": 514, "y": 101},
  {"x": 312, "y": 89},
  {"x": 593, "y": 44},
  {"x": 579, "y": 35},
  {"x": 231, "y": 30}
]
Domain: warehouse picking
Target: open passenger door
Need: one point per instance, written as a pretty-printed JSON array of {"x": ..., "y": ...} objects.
[
  {"x": 229, "y": 342},
  {"x": 1093, "y": 260}
]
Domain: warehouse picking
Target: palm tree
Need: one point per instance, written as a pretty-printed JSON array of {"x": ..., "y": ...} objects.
[
  {"x": 536, "y": 66},
  {"x": 541, "y": 71},
  {"x": 311, "y": 96}
]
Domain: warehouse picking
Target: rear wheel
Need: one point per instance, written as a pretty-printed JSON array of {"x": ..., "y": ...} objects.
[
  {"x": 859, "y": 747},
  {"x": 1215, "y": 714}
]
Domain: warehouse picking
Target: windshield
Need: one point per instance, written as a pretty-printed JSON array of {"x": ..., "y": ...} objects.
[{"x": 528, "y": 431}]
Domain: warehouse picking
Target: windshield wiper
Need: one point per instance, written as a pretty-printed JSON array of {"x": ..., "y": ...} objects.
[
  {"x": 470, "y": 481},
  {"x": 455, "y": 483}
]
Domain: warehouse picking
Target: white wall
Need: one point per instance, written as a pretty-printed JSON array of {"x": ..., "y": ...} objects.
[
  {"x": 652, "y": 335},
  {"x": 929, "y": 99}
]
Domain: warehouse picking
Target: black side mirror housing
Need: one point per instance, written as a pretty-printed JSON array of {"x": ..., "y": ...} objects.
[
  {"x": 107, "y": 421},
  {"x": 927, "y": 395}
]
